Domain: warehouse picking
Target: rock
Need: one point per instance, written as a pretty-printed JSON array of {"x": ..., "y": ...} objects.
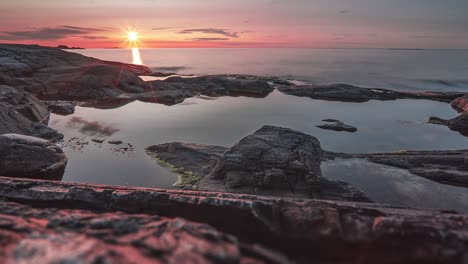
[
  {"x": 350, "y": 93},
  {"x": 194, "y": 157},
  {"x": 54, "y": 74},
  {"x": 114, "y": 142},
  {"x": 459, "y": 123},
  {"x": 83, "y": 236},
  {"x": 446, "y": 166},
  {"x": 100, "y": 141},
  {"x": 148, "y": 224},
  {"x": 272, "y": 161},
  {"x": 175, "y": 90},
  {"x": 460, "y": 104},
  {"x": 63, "y": 108},
  {"x": 22, "y": 113},
  {"x": 29, "y": 157},
  {"x": 337, "y": 125}
]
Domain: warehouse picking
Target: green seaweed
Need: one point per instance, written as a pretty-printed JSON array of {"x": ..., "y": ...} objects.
[{"x": 186, "y": 180}]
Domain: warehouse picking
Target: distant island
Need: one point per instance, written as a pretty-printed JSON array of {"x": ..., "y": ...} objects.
[{"x": 66, "y": 47}]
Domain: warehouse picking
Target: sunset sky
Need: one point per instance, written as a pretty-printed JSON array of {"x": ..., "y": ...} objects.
[{"x": 239, "y": 23}]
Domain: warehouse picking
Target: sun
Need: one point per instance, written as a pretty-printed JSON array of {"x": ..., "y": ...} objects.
[{"x": 132, "y": 36}]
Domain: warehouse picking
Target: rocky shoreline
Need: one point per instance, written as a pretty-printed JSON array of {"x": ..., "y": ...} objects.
[{"x": 239, "y": 220}]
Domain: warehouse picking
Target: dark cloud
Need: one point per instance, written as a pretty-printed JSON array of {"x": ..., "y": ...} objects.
[
  {"x": 93, "y": 37},
  {"x": 215, "y": 31},
  {"x": 92, "y": 128},
  {"x": 160, "y": 28},
  {"x": 209, "y": 39},
  {"x": 48, "y": 33}
]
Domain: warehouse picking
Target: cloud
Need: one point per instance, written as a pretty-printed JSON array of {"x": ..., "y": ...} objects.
[
  {"x": 49, "y": 33},
  {"x": 160, "y": 28},
  {"x": 215, "y": 31},
  {"x": 345, "y": 11},
  {"x": 93, "y": 37},
  {"x": 209, "y": 39}
]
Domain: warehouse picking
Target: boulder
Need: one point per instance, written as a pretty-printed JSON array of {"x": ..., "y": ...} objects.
[
  {"x": 29, "y": 157},
  {"x": 22, "y": 113},
  {"x": 337, "y": 125},
  {"x": 272, "y": 161}
]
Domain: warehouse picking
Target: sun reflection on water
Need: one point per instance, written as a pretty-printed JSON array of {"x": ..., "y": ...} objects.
[{"x": 136, "y": 58}]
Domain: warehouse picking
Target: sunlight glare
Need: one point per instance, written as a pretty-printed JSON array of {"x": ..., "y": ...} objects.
[{"x": 136, "y": 58}]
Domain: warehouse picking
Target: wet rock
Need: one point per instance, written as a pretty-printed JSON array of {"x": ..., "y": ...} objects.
[
  {"x": 22, "y": 113},
  {"x": 447, "y": 167},
  {"x": 459, "y": 123},
  {"x": 337, "y": 125},
  {"x": 460, "y": 104},
  {"x": 147, "y": 224},
  {"x": 29, "y": 157},
  {"x": 350, "y": 93},
  {"x": 272, "y": 161},
  {"x": 63, "y": 108}
]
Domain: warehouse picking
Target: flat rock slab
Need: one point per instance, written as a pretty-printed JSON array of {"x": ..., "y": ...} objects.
[
  {"x": 306, "y": 231},
  {"x": 460, "y": 104},
  {"x": 272, "y": 161},
  {"x": 351, "y": 93},
  {"x": 447, "y": 167},
  {"x": 337, "y": 125},
  {"x": 30, "y": 157}
]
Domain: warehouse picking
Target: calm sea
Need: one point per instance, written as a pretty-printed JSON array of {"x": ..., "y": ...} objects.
[{"x": 382, "y": 126}]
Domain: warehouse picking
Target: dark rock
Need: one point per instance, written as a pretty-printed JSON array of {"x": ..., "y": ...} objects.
[
  {"x": 30, "y": 157},
  {"x": 115, "y": 142},
  {"x": 337, "y": 125},
  {"x": 147, "y": 224},
  {"x": 460, "y": 104},
  {"x": 350, "y": 93},
  {"x": 272, "y": 161},
  {"x": 192, "y": 161},
  {"x": 175, "y": 90},
  {"x": 447, "y": 167},
  {"x": 100, "y": 141},
  {"x": 22, "y": 113},
  {"x": 63, "y": 108},
  {"x": 459, "y": 123}
]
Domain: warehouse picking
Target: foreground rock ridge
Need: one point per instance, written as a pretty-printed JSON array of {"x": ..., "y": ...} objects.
[
  {"x": 218, "y": 227},
  {"x": 271, "y": 161}
]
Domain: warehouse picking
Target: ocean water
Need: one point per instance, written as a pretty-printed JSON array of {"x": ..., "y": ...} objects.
[
  {"x": 382, "y": 126},
  {"x": 437, "y": 70}
]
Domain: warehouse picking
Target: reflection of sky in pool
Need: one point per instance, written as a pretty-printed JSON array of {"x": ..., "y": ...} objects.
[{"x": 382, "y": 126}]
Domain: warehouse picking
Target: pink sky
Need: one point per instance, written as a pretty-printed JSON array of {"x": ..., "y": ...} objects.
[{"x": 241, "y": 23}]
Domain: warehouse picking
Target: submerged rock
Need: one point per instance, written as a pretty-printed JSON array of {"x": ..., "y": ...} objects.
[
  {"x": 350, "y": 93},
  {"x": 337, "y": 125},
  {"x": 29, "y": 157},
  {"x": 128, "y": 224},
  {"x": 272, "y": 161}
]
